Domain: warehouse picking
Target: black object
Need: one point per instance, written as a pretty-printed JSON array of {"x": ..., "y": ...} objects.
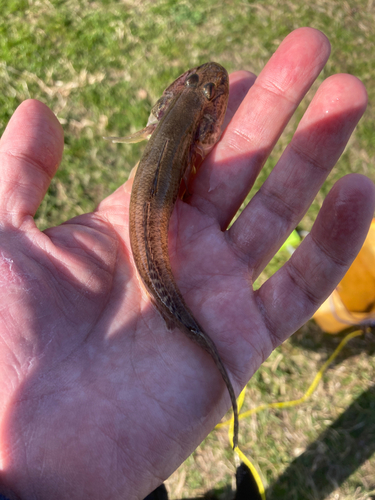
[
  {"x": 247, "y": 488},
  {"x": 159, "y": 494}
]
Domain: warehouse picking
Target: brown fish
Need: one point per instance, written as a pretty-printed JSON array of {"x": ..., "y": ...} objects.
[{"x": 184, "y": 124}]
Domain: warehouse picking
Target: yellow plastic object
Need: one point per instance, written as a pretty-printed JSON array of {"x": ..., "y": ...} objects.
[
  {"x": 281, "y": 404},
  {"x": 353, "y": 301},
  {"x": 291, "y": 242}
]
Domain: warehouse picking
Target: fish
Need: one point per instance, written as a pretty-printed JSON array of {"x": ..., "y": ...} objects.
[{"x": 183, "y": 127}]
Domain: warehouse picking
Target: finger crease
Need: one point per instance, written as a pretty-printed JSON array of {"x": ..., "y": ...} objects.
[
  {"x": 274, "y": 90},
  {"x": 328, "y": 254},
  {"x": 306, "y": 158},
  {"x": 17, "y": 155},
  {"x": 271, "y": 327},
  {"x": 277, "y": 205},
  {"x": 238, "y": 133},
  {"x": 299, "y": 281}
]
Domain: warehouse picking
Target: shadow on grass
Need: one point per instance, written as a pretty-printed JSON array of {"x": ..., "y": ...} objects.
[
  {"x": 312, "y": 338},
  {"x": 333, "y": 457},
  {"x": 327, "y": 463}
]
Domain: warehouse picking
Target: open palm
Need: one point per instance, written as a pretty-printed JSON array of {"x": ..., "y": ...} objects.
[{"x": 98, "y": 399}]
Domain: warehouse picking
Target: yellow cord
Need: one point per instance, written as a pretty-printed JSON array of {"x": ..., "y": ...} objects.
[{"x": 282, "y": 404}]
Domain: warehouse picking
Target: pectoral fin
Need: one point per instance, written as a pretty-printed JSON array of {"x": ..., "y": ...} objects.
[{"x": 140, "y": 135}]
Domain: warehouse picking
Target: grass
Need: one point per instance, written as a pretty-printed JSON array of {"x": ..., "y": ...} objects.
[
  {"x": 100, "y": 65},
  {"x": 319, "y": 450}
]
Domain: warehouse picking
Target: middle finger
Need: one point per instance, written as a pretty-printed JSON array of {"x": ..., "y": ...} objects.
[{"x": 229, "y": 172}]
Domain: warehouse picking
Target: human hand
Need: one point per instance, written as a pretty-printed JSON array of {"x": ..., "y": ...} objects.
[{"x": 98, "y": 399}]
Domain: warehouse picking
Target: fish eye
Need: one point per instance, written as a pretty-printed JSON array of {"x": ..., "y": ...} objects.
[
  {"x": 192, "y": 80},
  {"x": 208, "y": 90}
]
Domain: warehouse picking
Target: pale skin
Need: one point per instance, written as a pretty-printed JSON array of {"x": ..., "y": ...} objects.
[{"x": 100, "y": 400}]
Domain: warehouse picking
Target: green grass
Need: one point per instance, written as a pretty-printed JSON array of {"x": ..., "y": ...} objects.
[{"x": 100, "y": 65}]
